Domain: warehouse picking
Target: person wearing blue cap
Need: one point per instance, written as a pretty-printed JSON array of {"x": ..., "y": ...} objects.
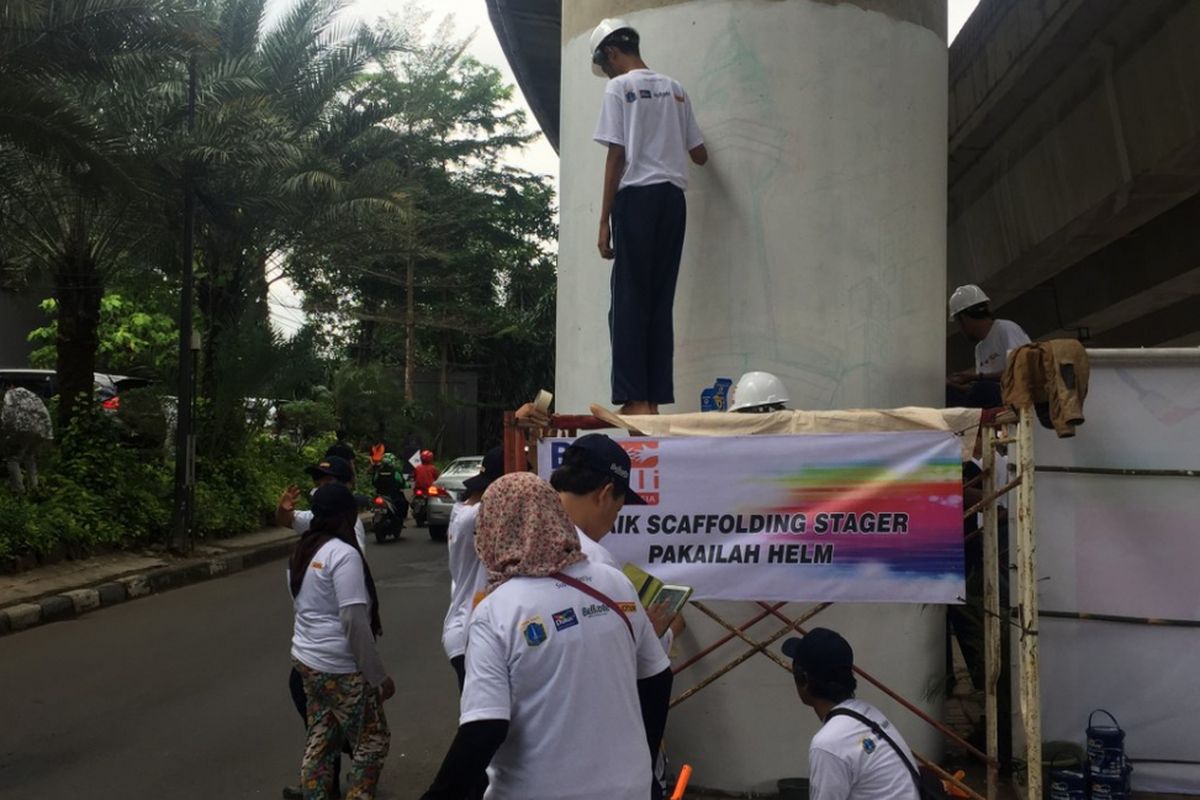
[{"x": 857, "y": 754}]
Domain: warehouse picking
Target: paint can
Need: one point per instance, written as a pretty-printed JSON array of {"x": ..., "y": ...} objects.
[
  {"x": 1105, "y": 787},
  {"x": 1105, "y": 748},
  {"x": 1067, "y": 784},
  {"x": 1063, "y": 775}
]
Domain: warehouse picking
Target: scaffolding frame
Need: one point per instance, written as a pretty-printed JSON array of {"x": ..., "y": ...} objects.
[{"x": 1005, "y": 429}]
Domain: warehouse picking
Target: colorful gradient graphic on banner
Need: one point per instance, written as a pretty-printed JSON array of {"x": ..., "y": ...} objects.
[
  {"x": 833, "y": 517},
  {"x": 851, "y": 496}
]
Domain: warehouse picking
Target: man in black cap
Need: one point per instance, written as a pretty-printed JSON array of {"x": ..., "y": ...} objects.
[
  {"x": 857, "y": 754},
  {"x": 593, "y": 484},
  {"x": 329, "y": 469}
]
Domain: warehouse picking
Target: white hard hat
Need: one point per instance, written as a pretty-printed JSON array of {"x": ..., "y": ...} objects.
[
  {"x": 964, "y": 297},
  {"x": 606, "y": 28},
  {"x": 757, "y": 389}
]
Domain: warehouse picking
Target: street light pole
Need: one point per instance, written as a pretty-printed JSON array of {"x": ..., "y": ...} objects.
[{"x": 185, "y": 437}]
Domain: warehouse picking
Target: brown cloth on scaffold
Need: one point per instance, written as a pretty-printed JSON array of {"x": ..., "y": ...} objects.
[{"x": 1053, "y": 378}]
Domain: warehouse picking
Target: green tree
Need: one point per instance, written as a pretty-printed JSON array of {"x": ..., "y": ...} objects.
[
  {"x": 132, "y": 340},
  {"x": 466, "y": 276}
]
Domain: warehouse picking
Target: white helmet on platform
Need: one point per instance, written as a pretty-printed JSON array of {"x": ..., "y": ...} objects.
[
  {"x": 605, "y": 29},
  {"x": 965, "y": 297},
  {"x": 756, "y": 390}
]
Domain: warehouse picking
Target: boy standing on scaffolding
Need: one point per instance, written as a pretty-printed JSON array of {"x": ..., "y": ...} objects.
[{"x": 647, "y": 124}]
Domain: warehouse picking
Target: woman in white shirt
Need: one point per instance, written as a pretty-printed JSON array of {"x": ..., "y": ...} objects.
[
  {"x": 333, "y": 649},
  {"x": 561, "y": 664},
  {"x": 468, "y": 578}
]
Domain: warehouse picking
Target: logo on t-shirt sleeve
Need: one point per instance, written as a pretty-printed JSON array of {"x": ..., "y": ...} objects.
[
  {"x": 630, "y": 97},
  {"x": 868, "y": 745},
  {"x": 534, "y": 631},
  {"x": 565, "y": 619}
]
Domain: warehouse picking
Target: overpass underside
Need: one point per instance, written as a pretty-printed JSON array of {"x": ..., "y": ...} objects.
[{"x": 1074, "y": 194}]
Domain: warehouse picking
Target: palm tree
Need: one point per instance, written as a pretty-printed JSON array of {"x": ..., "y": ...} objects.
[
  {"x": 276, "y": 108},
  {"x": 73, "y": 144}
]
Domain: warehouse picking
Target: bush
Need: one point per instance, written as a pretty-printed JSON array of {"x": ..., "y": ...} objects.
[{"x": 99, "y": 494}]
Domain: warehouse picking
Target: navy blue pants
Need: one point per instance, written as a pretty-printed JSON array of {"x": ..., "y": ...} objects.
[{"x": 647, "y": 225}]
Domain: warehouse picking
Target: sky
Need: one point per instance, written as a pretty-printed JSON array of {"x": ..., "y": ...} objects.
[{"x": 471, "y": 17}]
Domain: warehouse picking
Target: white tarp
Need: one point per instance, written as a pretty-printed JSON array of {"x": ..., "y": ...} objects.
[{"x": 1127, "y": 546}]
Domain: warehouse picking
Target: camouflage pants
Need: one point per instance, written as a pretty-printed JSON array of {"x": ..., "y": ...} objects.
[{"x": 342, "y": 708}]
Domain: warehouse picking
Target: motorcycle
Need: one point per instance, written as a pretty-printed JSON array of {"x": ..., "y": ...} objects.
[
  {"x": 420, "y": 507},
  {"x": 389, "y": 506},
  {"x": 387, "y": 520}
]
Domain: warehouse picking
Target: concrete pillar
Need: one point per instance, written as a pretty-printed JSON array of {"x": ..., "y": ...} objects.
[{"x": 815, "y": 250}]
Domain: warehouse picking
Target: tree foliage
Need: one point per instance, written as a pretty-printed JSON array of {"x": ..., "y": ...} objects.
[{"x": 368, "y": 165}]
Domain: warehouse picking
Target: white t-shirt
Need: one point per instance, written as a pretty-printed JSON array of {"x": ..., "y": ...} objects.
[
  {"x": 302, "y": 521},
  {"x": 991, "y": 354},
  {"x": 468, "y": 577},
  {"x": 596, "y": 552},
  {"x": 563, "y": 670},
  {"x": 650, "y": 115},
  {"x": 847, "y": 762},
  {"x": 335, "y": 580}
]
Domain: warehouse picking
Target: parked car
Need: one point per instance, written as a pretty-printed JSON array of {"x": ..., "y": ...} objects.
[
  {"x": 445, "y": 492},
  {"x": 44, "y": 383}
]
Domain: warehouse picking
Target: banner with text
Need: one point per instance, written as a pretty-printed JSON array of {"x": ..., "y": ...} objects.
[{"x": 836, "y": 517}]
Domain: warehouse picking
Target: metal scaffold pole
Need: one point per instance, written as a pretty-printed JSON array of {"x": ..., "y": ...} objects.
[{"x": 1027, "y": 580}]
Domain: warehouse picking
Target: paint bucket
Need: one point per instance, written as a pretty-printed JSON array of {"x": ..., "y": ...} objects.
[
  {"x": 793, "y": 788},
  {"x": 1105, "y": 748},
  {"x": 1067, "y": 784},
  {"x": 1063, "y": 776},
  {"x": 1105, "y": 787}
]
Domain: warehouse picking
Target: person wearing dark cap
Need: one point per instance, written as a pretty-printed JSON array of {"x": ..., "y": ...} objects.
[
  {"x": 857, "y": 754},
  {"x": 593, "y": 484},
  {"x": 330, "y": 469},
  {"x": 333, "y": 649}
]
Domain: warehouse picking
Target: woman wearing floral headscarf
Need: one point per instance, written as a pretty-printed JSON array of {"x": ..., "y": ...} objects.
[{"x": 558, "y": 654}]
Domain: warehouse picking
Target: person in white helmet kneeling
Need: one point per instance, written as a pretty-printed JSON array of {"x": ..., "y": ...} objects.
[
  {"x": 758, "y": 393},
  {"x": 993, "y": 338}
]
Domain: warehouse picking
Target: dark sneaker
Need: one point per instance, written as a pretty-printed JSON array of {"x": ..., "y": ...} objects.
[{"x": 293, "y": 793}]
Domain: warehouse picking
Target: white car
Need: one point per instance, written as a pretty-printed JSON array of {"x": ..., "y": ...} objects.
[{"x": 445, "y": 492}]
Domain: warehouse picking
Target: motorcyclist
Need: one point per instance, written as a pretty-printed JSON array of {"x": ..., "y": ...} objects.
[
  {"x": 425, "y": 473},
  {"x": 388, "y": 481}
]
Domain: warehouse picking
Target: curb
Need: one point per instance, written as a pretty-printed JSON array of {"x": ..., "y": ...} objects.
[{"x": 77, "y": 602}]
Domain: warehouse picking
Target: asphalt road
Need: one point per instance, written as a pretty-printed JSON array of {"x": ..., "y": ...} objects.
[{"x": 184, "y": 695}]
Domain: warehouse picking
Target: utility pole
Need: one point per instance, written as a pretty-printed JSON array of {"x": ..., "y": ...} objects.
[
  {"x": 185, "y": 437},
  {"x": 410, "y": 322}
]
